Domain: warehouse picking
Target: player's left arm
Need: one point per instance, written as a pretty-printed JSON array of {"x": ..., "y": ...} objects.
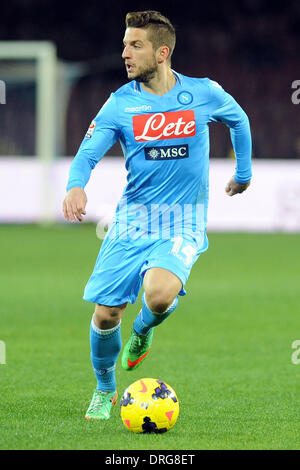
[{"x": 225, "y": 109}]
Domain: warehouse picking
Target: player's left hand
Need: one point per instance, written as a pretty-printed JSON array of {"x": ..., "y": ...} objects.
[{"x": 233, "y": 187}]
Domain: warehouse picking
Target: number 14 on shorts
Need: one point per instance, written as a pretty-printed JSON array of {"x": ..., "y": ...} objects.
[{"x": 183, "y": 250}]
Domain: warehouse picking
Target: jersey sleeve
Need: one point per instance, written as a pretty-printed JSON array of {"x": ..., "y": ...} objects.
[
  {"x": 225, "y": 109},
  {"x": 102, "y": 134}
]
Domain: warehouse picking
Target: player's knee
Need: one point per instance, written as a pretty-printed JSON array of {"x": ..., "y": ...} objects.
[
  {"x": 107, "y": 317},
  {"x": 158, "y": 301}
]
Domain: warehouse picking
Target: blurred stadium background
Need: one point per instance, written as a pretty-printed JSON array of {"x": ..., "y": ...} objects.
[
  {"x": 59, "y": 61},
  {"x": 59, "y": 65}
]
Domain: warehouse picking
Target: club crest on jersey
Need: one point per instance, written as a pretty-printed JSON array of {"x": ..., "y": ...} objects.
[
  {"x": 185, "y": 97},
  {"x": 90, "y": 130},
  {"x": 161, "y": 126},
  {"x": 171, "y": 152}
]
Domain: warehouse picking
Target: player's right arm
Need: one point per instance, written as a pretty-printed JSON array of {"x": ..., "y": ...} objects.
[{"x": 100, "y": 137}]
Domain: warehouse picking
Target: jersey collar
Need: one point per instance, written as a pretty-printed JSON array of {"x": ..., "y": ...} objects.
[{"x": 137, "y": 86}]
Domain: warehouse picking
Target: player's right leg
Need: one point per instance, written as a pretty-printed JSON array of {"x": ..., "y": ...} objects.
[
  {"x": 114, "y": 282},
  {"x": 105, "y": 342}
]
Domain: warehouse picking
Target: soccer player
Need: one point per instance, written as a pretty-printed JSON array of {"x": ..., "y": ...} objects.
[{"x": 158, "y": 232}]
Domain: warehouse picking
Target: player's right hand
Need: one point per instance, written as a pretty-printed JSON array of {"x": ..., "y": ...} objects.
[{"x": 74, "y": 204}]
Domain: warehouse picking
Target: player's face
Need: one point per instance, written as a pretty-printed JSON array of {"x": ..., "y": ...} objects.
[{"x": 139, "y": 56}]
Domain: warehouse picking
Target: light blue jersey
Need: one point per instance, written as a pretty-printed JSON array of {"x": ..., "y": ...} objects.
[{"x": 165, "y": 141}]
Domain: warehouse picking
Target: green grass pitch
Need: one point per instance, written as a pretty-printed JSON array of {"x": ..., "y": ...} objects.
[{"x": 226, "y": 350}]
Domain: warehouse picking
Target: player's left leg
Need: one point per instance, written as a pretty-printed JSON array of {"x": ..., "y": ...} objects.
[
  {"x": 159, "y": 301},
  {"x": 161, "y": 288},
  {"x": 166, "y": 269}
]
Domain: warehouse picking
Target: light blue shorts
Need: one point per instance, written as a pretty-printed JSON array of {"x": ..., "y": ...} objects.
[{"x": 121, "y": 265}]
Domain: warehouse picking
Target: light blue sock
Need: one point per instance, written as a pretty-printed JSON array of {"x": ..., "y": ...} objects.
[
  {"x": 105, "y": 348},
  {"x": 146, "y": 319}
]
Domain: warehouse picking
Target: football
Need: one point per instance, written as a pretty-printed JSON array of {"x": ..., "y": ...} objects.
[{"x": 149, "y": 406}]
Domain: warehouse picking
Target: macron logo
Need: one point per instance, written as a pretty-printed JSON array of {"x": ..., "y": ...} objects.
[{"x": 138, "y": 109}]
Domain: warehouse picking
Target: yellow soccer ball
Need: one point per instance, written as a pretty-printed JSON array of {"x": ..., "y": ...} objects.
[{"x": 149, "y": 406}]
